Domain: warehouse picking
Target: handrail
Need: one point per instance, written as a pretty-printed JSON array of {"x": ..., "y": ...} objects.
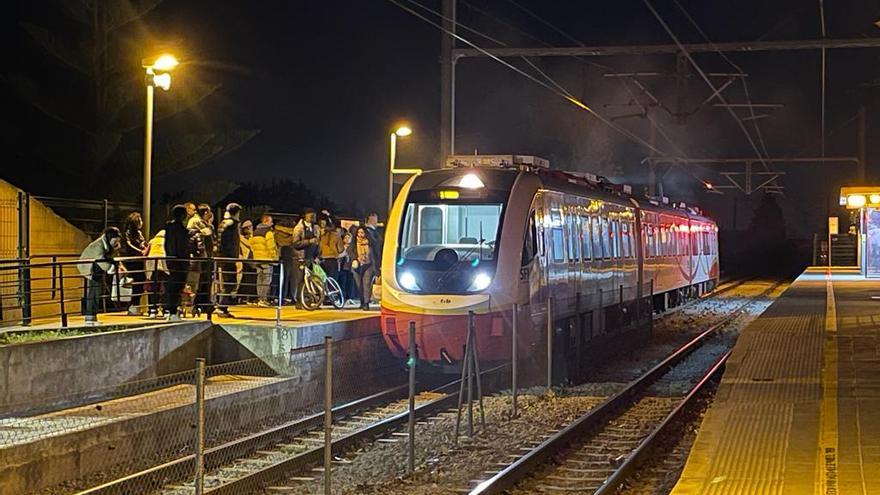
[{"x": 211, "y": 290}]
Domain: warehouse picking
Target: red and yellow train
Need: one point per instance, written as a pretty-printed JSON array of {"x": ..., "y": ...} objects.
[{"x": 487, "y": 232}]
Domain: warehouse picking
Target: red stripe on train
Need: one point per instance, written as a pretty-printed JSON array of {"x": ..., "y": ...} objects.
[{"x": 436, "y": 333}]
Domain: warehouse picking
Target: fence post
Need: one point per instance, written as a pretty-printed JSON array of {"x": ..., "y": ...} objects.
[
  {"x": 328, "y": 411},
  {"x": 61, "y": 294},
  {"x": 54, "y": 285},
  {"x": 579, "y": 328},
  {"x": 550, "y": 333},
  {"x": 200, "y": 426},
  {"x": 413, "y": 359},
  {"x": 514, "y": 357},
  {"x": 212, "y": 290},
  {"x": 24, "y": 253},
  {"x": 280, "y": 298}
]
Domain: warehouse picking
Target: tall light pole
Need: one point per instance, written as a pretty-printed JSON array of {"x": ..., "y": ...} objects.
[
  {"x": 402, "y": 131},
  {"x": 157, "y": 75}
]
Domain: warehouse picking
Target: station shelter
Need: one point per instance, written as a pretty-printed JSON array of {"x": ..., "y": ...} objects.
[{"x": 866, "y": 200}]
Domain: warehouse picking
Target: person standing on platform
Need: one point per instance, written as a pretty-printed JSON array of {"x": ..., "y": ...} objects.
[
  {"x": 346, "y": 277},
  {"x": 230, "y": 248},
  {"x": 177, "y": 246},
  {"x": 331, "y": 247},
  {"x": 156, "y": 273},
  {"x": 200, "y": 278},
  {"x": 101, "y": 251},
  {"x": 263, "y": 245},
  {"x": 376, "y": 239},
  {"x": 135, "y": 245},
  {"x": 284, "y": 242},
  {"x": 364, "y": 264},
  {"x": 305, "y": 245},
  {"x": 247, "y": 279}
]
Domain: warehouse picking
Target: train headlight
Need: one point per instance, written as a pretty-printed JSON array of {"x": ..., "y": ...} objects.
[
  {"x": 480, "y": 282},
  {"x": 408, "y": 281}
]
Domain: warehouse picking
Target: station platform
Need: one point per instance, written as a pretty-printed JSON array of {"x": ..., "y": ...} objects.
[
  {"x": 243, "y": 315},
  {"x": 798, "y": 408}
]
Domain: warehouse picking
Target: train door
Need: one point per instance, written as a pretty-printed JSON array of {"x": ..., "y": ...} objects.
[
  {"x": 573, "y": 247},
  {"x": 555, "y": 228},
  {"x": 539, "y": 275},
  {"x": 530, "y": 271}
]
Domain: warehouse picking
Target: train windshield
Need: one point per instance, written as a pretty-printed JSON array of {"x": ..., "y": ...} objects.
[
  {"x": 445, "y": 247},
  {"x": 470, "y": 230}
]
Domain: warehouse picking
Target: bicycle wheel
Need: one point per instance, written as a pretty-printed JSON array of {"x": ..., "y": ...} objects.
[
  {"x": 311, "y": 293},
  {"x": 333, "y": 293}
]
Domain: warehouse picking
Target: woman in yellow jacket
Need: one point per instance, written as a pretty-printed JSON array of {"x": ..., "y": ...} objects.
[{"x": 264, "y": 248}]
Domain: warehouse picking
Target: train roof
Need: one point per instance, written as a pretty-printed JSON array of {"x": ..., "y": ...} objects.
[{"x": 499, "y": 172}]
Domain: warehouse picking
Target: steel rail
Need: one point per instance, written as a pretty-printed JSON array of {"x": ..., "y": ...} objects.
[
  {"x": 314, "y": 455},
  {"x": 157, "y": 476},
  {"x": 637, "y": 457},
  {"x": 508, "y": 477}
]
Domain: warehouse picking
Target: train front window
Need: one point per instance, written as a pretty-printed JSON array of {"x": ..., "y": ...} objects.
[{"x": 449, "y": 247}]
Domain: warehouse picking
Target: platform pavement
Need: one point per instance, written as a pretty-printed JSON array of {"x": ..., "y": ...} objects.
[
  {"x": 798, "y": 408},
  {"x": 243, "y": 315}
]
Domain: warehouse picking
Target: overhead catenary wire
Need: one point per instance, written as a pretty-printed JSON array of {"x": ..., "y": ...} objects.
[
  {"x": 736, "y": 66},
  {"x": 568, "y": 97},
  {"x": 632, "y": 95},
  {"x": 706, "y": 79},
  {"x": 574, "y": 40}
]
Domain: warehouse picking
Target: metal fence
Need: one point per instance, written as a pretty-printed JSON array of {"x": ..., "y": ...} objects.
[
  {"x": 64, "y": 286},
  {"x": 150, "y": 436},
  {"x": 90, "y": 215}
]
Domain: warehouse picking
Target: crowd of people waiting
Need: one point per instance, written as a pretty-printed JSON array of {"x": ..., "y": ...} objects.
[{"x": 262, "y": 264}]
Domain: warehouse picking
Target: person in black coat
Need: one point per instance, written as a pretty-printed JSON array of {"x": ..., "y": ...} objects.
[
  {"x": 177, "y": 245},
  {"x": 135, "y": 245},
  {"x": 229, "y": 247}
]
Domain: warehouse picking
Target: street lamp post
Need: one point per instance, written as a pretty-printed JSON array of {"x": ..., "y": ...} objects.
[
  {"x": 402, "y": 131},
  {"x": 157, "y": 75}
]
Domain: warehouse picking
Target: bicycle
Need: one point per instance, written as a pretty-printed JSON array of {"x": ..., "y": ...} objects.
[{"x": 317, "y": 288}]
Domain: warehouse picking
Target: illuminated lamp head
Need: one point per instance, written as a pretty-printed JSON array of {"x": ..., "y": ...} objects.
[{"x": 470, "y": 181}]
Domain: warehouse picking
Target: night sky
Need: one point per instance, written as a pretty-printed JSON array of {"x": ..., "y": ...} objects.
[{"x": 324, "y": 82}]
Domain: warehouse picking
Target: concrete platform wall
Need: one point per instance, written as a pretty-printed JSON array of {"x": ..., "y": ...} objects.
[
  {"x": 74, "y": 370},
  {"x": 59, "y": 372}
]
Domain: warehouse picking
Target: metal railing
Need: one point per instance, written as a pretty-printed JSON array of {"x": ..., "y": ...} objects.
[{"x": 55, "y": 285}]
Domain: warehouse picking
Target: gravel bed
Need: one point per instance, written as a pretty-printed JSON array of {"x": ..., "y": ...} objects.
[
  {"x": 380, "y": 468},
  {"x": 660, "y": 474},
  {"x": 440, "y": 468}
]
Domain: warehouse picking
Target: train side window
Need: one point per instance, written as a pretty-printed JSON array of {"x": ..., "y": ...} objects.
[
  {"x": 586, "y": 251},
  {"x": 649, "y": 239},
  {"x": 606, "y": 238},
  {"x": 664, "y": 241},
  {"x": 530, "y": 245},
  {"x": 597, "y": 238},
  {"x": 615, "y": 238},
  {"x": 693, "y": 242},
  {"x": 625, "y": 237},
  {"x": 558, "y": 244},
  {"x": 573, "y": 245}
]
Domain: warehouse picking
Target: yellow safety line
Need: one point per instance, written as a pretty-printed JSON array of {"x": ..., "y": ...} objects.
[{"x": 828, "y": 441}]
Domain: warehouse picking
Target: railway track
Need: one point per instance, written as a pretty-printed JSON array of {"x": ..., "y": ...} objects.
[
  {"x": 599, "y": 450},
  {"x": 246, "y": 464}
]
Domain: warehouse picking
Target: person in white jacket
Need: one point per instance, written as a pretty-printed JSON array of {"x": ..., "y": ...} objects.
[{"x": 100, "y": 255}]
